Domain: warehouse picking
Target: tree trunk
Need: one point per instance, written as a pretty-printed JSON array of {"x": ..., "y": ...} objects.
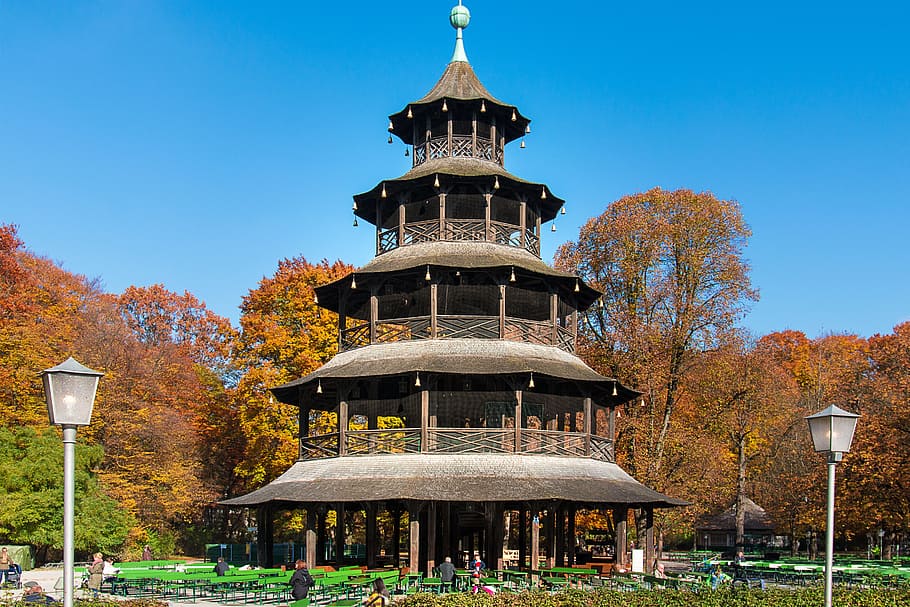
[{"x": 740, "y": 490}]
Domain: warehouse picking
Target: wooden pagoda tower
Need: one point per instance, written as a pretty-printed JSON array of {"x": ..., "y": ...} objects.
[{"x": 458, "y": 395}]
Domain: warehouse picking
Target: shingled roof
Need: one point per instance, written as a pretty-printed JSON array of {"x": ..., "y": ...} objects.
[
  {"x": 456, "y": 477},
  {"x": 756, "y": 519}
]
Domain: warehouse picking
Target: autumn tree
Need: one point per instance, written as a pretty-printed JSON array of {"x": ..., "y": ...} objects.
[
  {"x": 284, "y": 335},
  {"x": 675, "y": 283},
  {"x": 742, "y": 400}
]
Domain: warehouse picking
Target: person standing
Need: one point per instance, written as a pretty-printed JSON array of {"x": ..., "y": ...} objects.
[
  {"x": 301, "y": 581},
  {"x": 6, "y": 563},
  {"x": 147, "y": 553},
  {"x": 96, "y": 573},
  {"x": 221, "y": 567}
]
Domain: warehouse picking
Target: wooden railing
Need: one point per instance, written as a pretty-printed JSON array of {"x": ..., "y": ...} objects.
[
  {"x": 452, "y": 326},
  {"x": 463, "y": 146},
  {"x": 459, "y": 440},
  {"x": 457, "y": 230}
]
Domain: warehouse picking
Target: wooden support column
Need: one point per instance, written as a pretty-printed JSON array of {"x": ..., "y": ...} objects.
[
  {"x": 621, "y": 524},
  {"x": 339, "y": 535},
  {"x": 499, "y": 529},
  {"x": 649, "y": 540},
  {"x": 551, "y": 536},
  {"x": 429, "y": 134},
  {"x": 449, "y": 133},
  {"x": 518, "y": 420},
  {"x": 587, "y": 425},
  {"x": 493, "y": 138},
  {"x": 502, "y": 311},
  {"x": 570, "y": 534},
  {"x": 342, "y": 427},
  {"x": 311, "y": 536},
  {"x": 371, "y": 539},
  {"x": 374, "y": 315},
  {"x": 445, "y": 523},
  {"x": 264, "y": 535},
  {"x": 431, "y": 537},
  {"x": 554, "y": 318},
  {"x": 487, "y": 217},
  {"x": 560, "y": 553},
  {"x": 321, "y": 536},
  {"x": 535, "y": 540},
  {"x": 424, "y": 418},
  {"x": 523, "y": 224},
  {"x": 473, "y": 138},
  {"x": 414, "y": 533},
  {"x": 611, "y": 430},
  {"x": 434, "y": 310},
  {"x": 442, "y": 216},
  {"x": 401, "y": 219},
  {"x": 342, "y": 318},
  {"x": 396, "y": 535},
  {"x": 522, "y": 536},
  {"x": 488, "y": 547}
]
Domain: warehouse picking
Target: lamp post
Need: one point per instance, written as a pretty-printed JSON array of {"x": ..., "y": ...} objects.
[
  {"x": 832, "y": 432},
  {"x": 70, "y": 392}
]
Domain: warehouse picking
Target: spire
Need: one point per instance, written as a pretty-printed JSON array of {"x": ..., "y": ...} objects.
[{"x": 459, "y": 18}]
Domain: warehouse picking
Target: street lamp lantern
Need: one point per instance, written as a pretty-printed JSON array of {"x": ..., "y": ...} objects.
[
  {"x": 70, "y": 392},
  {"x": 832, "y": 433}
]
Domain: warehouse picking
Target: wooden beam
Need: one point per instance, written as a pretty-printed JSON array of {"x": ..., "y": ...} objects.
[
  {"x": 431, "y": 537},
  {"x": 374, "y": 315},
  {"x": 434, "y": 310},
  {"x": 535, "y": 539},
  {"x": 414, "y": 532},
  {"x": 424, "y": 417},
  {"x": 371, "y": 539},
  {"x": 621, "y": 524},
  {"x": 339, "y": 534},
  {"x": 587, "y": 425},
  {"x": 649, "y": 540},
  {"x": 518, "y": 420},
  {"x": 311, "y": 536},
  {"x": 342, "y": 427}
]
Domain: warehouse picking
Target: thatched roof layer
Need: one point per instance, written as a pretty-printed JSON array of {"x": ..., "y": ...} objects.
[
  {"x": 456, "y": 477},
  {"x": 461, "y": 356},
  {"x": 470, "y": 170},
  {"x": 461, "y": 256},
  {"x": 459, "y": 83},
  {"x": 756, "y": 519}
]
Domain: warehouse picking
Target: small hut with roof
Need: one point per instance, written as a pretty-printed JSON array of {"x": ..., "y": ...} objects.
[{"x": 459, "y": 398}]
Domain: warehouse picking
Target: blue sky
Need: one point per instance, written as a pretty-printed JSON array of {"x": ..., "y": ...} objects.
[{"x": 195, "y": 144}]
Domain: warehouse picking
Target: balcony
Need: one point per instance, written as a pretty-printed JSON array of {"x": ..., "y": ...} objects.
[{"x": 458, "y": 441}]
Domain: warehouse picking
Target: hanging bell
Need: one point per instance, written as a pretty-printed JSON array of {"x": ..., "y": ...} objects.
[
  {"x": 577, "y": 288},
  {"x": 514, "y": 115},
  {"x": 553, "y": 228},
  {"x": 427, "y": 276},
  {"x": 445, "y": 108},
  {"x": 355, "y": 224},
  {"x": 407, "y": 152},
  {"x": 417, "y": 381},
  {"x": 315, "y": 297},
  {"x": 615, "y": 393},
  {"x": 382, "y": 194},
  {"x": 543, "y": 193},
  {"x": 496, "y": 183},
  {"x": 531, "y": 383},
  {"x": 390, "y": 138},
  {"x": 512, "y": 275},
  {"x": 353, "y": 282},
  {"x": 562, "y": 211},
  {"x": 319, "y": 387},
  {"x": 483, "y": 106},
  {"x": 410, "y": 113},
  {"x": 522, "y": 146},
  {"x": 354, "y": 206},
  {"x": 391, "y": 126},
  {"x": 436, "y": 181},
  {"x": 528, "y": 129}
]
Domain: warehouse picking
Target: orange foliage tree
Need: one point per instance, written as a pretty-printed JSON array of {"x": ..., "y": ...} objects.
[
  {"x": 674, "y": 280},
  {"x": 284, "y": 335}
]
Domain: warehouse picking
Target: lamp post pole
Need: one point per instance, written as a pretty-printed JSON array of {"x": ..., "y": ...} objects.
[
  {"x": 69, "y": 510},
  {"x": 832, "y": 433},
  {"x": 70, "y": 392},
  {"x": 829, "y": 534}
]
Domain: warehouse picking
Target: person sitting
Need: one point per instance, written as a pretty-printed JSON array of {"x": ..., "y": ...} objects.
[
  {"x": 447, "y": 571},
  {"x": 718, "y": 577},
  {"x": 34, "y": 593},
  {"x": 379, "y": 597},
  {"x": 659, "y": 572},
  {"x": 221, "y": 567}
]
